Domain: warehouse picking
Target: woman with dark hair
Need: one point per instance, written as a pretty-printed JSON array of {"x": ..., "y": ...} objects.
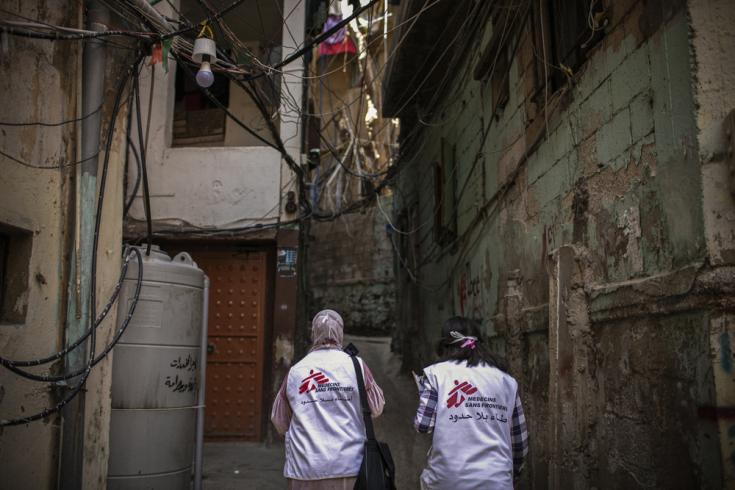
[{"x": 473, "y": 409}]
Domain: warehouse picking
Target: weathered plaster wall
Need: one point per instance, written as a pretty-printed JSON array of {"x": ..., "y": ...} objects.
[
  {"x": 243, "y": 107},
  {"x": 97, "y": 396},
  {"x": 350, "y": 270},
  {"x": 44, "y": 86},
  {"x": 215, "y": 186},
  {"x": 617, "y": 177},
  {"x": 209, "y": 187}
]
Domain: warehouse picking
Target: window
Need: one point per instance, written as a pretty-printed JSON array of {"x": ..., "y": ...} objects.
[
  {"x": 493, "y": 64},
  {"x": 445, "y": 198},
  {"x": 15, "y": 256},
  {"x": 564, "y": 32},
  {"x": 197, "y": 120},
  {"x": 253, "y": 38}
]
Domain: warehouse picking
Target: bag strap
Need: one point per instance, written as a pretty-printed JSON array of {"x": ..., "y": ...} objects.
[{"x": 369, "y": 430}]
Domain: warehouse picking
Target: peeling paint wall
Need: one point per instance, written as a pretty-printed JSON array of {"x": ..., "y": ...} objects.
[
  {"x": 36, "y": 201},
  {"x": 43, "y": 85},
  {"x": 614, "y": 351}
]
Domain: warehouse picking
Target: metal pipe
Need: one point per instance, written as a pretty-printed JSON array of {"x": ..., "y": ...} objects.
[
  {"x": 199, "y": 450},
  {"x": 71, "y": 464}
]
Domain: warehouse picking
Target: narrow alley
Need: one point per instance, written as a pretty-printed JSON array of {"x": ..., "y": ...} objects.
[{"x": 521, "y": 213}]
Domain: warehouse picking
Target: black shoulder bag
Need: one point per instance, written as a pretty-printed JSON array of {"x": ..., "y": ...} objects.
[{"x": 377, "y": 471}]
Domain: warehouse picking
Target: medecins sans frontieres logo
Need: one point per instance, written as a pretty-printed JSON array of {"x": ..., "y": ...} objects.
[
  {"x": 310, "y": 383},
  {"x": 459, "y": 393}
]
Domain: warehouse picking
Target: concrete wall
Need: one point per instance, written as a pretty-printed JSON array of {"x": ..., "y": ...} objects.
[
  {"x": 206, "y": 187},
  {"x": 215, "y": 187},
  {"x": 350, "y": 270},
  {"x": 586, "y": 251},
  {"x": 243, "y": 107},
  {"x": 43, "y": 85}
]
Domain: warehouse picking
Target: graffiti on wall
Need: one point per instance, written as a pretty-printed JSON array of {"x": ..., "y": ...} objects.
[{"x": 471, "y": 289}]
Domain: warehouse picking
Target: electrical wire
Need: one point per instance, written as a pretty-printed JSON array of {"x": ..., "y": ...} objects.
[
  {"x": 143, "y": 167},
  {"x": 210, "y": 18},
  {"x": 58, "y": 355},
  {"x": 48, "y": 125},
  {"x": 493, "y": 199},
  {"x": 317, "y": 40},
  {"x": 128, "y": 202},
  {"x": 48, "y": 167},
  {"x": 85, "y": 371},
  {"x": 130, "y": 74},
  {"x": 57, "y": 36},
  {"x": 95, "y": 243},
  {"x": 94, "y": 360},
  {"x": 294, "y": 55},
  {"x": 138, "y": 173}
]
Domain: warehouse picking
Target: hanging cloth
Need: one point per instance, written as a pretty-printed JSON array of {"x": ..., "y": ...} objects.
[{"x": 337, "y": 43}]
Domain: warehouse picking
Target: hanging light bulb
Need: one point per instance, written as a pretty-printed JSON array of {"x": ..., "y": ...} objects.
[
  {"x": 205, "y": 52},
  {"x": 205, "y": 77}
]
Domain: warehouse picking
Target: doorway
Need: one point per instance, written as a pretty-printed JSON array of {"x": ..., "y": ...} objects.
[{"x": 236, "y": 343}]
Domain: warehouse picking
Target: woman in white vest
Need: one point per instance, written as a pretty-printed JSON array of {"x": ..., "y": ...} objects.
[
  {"x": 318, "y": 411},
  {"x": 474, "y": 411}
]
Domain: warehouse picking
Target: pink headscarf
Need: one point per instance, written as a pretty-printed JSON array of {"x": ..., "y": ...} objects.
[{"x": 327, "y": 329}]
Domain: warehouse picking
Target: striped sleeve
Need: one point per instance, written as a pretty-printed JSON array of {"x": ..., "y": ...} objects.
[
  {"x": 426, "y": 413},
  {"x": 519, "y": 437}
]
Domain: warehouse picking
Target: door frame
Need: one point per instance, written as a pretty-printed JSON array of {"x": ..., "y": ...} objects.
[{"x": 194, "y": 245}]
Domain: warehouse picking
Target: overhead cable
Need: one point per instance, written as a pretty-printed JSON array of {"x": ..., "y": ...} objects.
[{"x": 85, "y": 372}]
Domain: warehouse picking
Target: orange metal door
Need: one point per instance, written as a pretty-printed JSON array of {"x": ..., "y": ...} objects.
[{"x": 237, "y": 299}]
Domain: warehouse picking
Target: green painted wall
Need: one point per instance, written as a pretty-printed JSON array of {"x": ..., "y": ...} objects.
[{"x": 618, "y": 176}]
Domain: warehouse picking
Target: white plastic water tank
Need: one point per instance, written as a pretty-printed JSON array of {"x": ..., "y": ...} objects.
[{"x": 155, "y": 376}]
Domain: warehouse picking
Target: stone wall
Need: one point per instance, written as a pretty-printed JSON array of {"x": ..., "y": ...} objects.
[{"x": 350, "y": 270}]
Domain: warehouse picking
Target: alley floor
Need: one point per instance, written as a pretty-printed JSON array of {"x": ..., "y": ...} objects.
[
  {"x": 395, "y": 426},
  {"x": 243, "y": 465},
  {"x": 230, "y": 466}
]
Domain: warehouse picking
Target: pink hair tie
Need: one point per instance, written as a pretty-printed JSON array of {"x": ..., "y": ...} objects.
[
  {"x": 468, "y": 343},
  {"x": 467, "y": 340}
]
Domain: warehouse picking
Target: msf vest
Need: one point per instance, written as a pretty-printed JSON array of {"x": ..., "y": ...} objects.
[
  {"x": 327, "y": 434},
  {"x": 471, "y": 447}
]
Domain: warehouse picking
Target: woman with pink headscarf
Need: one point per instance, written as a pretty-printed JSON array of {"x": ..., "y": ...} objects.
[{"x": 318, "y": 412}]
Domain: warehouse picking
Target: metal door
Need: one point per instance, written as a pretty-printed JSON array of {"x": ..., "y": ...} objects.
[{"x": 237, "y": 300}]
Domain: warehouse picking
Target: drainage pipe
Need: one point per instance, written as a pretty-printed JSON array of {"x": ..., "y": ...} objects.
[
  {"x": 199, "y": 450},
  {"x": 71, "y": 464}
]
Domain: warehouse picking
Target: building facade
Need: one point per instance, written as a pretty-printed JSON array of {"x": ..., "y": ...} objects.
[
  {"x": 563, "y": 180},
  {"x": 220, "y": 192}
]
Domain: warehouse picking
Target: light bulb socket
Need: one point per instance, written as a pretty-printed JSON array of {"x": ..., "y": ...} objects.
[{"x": 204, "y": 47}]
